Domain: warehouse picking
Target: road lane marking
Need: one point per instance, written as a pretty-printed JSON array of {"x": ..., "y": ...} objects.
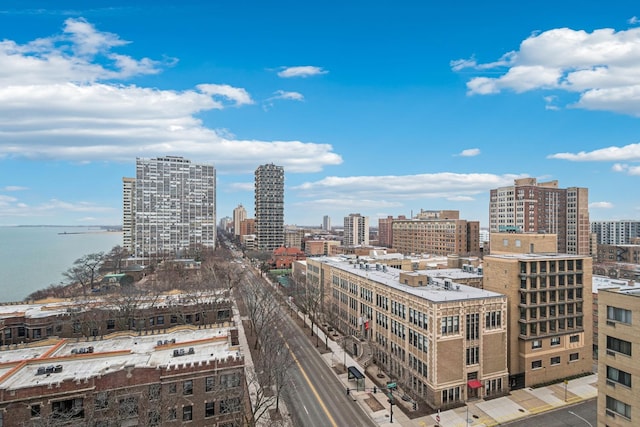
[{"x": 313, "y": 389}]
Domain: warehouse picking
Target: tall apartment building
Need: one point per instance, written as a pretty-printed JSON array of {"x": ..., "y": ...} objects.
[
  {"x": 615, "y": 232},
  {"x": 356, "y": 230},
  {"x": 173, "y": 206},
  {"x": 187, "y": 376},
  {"x": 618, "y": 370},
  {"x": 269, "y": 205},
  {"x": 444, "y": 341},
  {"x": 385, "y": 230},
  {"x": 436, "y": 236},
  {"x": 128, "y": 213},
  {"x": 239, "y": 215},
  {"x": 530, "y": 206},
  {"x": 326, "y": 223},
  {"x": 550, "y": 313},
  {"x": 248, "y": 226}
]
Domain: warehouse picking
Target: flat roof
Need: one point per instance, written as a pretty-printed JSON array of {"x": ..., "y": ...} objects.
[
  {"x": 435, "y": 292},
  {"x": 46, "y": 308},
  {"x": 113, "y": 354},
  {"x": 603, "y": 282},
  {"x": 537, "y": 256}
]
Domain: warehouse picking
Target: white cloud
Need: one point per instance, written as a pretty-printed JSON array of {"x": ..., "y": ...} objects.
[
  {"x": 281, "y": 94},
  {"x": 12, "y": 207},
  {"x": 59, "y": 100},
  {"x": 602, "y": 67},
  {"x": 633, "y": 20},
  {"x": 301, "y": 71},
  {"x": 14, "y": 188},
  {"x": 629, "y": 152},
  {"x": 600, "y": 205},
  {"x": 624, "y": 168},
  {"x": 394, "y": 189},
  {"x": 238, "y": 95},
  {"x": 470, "y": 152}
]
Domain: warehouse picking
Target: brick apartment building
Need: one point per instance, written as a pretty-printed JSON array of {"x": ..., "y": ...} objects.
[
  {"x": 187, "y": 376},
  {"x": 68, "y": 318},
  {"x": 441, "y": 233}
]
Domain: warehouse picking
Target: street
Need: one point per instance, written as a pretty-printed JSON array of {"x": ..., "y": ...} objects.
[{"x": 581, "y": 415}]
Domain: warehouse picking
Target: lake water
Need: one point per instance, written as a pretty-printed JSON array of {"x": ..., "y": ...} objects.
[{"x": 32, "y": 258}]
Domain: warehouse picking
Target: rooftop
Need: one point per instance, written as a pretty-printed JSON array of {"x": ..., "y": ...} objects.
[
  {"x": 436, "y": 291},
  {"x": 76, "y": 361}
]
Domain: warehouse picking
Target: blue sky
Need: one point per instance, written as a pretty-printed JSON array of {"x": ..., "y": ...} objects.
[{"x": 379, "y": 107}]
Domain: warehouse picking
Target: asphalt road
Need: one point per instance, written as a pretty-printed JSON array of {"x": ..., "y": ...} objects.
[
  {"x": 581, "y": 415},
  {"x": 314, "y": 396}
]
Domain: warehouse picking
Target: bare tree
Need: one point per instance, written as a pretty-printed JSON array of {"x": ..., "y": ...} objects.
[
  {"x": 85, "y": 271},
  {"x": 115, "y": 258}
]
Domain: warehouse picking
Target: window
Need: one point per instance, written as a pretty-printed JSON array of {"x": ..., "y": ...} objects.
[
  {"x": 128, "y": 407},
  {"x": 555, "y": 360},
  {"x": 473, "y": 326},
  {"x": 536, "y": 344},
  {"x": 35, "y": 411},
  {"x": 209, "y": 409},
  {"x": 187, "y": 387},
  {"x": 618, "y": 407},
  {"x": 616, "y": 375},
  {"x": 229, "y": 380},
  {"x": 450, "y": 325},
  {"x": 618, "y": 345},
  {"x": 493, "y": 319},
  {"x": 160, "y": 320},
  {"x": 173, "y": 388},
  {"x": 101, "y": 400},
  {"x": 230, "y": 405},
  {"x": 172, "y": 414},
  {"x": 536, "y": 364},
  {"x": 209, "y": 383},
  {"x": 154, "y": 418},
  {"x": 154, "y": 392},
  {"x": 111, "y": 324},
  {"x": 187, "y": 413},
  {"x": 71, "y": 408},
  {"x": 618, "y": 314},
  {"x": 451, "y": 395},
  {"x": 574, "y": 338},
  {"x": 473, "y": 356}
]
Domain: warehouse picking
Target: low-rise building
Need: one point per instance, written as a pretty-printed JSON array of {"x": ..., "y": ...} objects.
[
  {"x": 441, "y": 341},
  {"x": 102, "y": 315},
  {"x": 187, "y": 376}
]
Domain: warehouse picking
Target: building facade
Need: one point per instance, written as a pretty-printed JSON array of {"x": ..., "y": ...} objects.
[
  {"x": 550, "y": 314},
  {"x": 356, "y": 230},
  {"x": 618, "y": 253},
  {"x": 174, "y": 207},
  {"x": 187, "y": 376},
  {"x": 615, "y": 232},
  {"x": 532, "y": 207},
  {"x": 239, "y": 215},
  {"x": 443, "y": 341},
  {"x": 128, "y": 213},
  {"x": 326, "y": 223},
  {"x": 385, "y": 230},
  {"x": 618, "y": 393},
  {"x": 269, "y": 206},
  {"x": 436, "y": 236}
]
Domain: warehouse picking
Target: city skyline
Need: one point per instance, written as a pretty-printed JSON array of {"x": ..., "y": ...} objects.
[{"x": 383, "y": 110}]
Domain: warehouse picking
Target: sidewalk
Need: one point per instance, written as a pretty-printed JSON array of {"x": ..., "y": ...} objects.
[{"x": 478, "y": 413}]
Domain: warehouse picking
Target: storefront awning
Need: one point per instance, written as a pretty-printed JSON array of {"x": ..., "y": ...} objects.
[{"x": 474, "y": 384}]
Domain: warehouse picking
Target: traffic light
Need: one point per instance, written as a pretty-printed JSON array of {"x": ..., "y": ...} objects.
[
  {"x": 375, "y": 389},
  {"x": 348, "y": 391},
  {"x": 415, "y": 406}
]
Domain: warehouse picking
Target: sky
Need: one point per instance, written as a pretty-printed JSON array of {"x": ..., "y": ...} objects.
[{"x": 379, "y": 108}]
